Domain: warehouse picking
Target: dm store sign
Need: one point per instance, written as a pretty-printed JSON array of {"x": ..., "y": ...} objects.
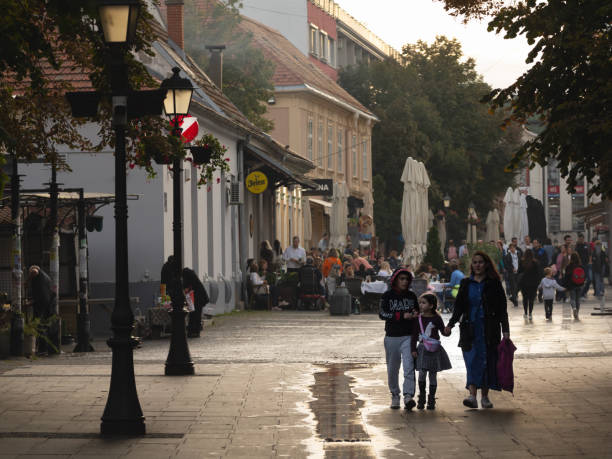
[{"x": 256, "y": 182}]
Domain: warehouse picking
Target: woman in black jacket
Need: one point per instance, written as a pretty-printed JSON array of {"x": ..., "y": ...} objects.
[
  {"x": 530, "y": 275},
  {"x": 481, "y": 306},
  {"x": 200, "y": 299}
]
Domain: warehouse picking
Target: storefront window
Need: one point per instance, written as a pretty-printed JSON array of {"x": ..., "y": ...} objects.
[
  {"x": 340, "y": 142},
  {"x": 554, "y": 205},
  {"x": 330, "y": 146}
]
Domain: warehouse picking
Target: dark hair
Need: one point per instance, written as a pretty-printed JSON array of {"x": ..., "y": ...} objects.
[
  {"x": 575, "y": 258},
  {"x": 567, "y": 236},
  {"x": 490, "y": 271},
  {"x": 333, "y": 253},
  {"x": 431, "y": 299},
  {"x": 277, "y": 247}
]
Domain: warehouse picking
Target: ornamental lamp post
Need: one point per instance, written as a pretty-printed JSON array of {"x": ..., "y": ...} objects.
[
  {"x": 178, "y": 99},
  {"x": 471, "y": 208},
  {"x": 122, "y": 414},
  {"x": 447, "y": 201}
]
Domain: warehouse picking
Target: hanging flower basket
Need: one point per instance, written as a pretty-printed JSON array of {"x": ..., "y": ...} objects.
[
  {"x": 160, "y": 148},
  {"x": 201, "y": 155}
]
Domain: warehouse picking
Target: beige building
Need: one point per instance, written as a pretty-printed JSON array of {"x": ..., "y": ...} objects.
[{"x": 321, "y": 122}]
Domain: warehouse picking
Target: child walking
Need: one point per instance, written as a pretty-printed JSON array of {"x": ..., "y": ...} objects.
[
  {"x": 548, "y": 285},
  {"x": 398, "y": 308},
  {"x": 429, "y": 325}
]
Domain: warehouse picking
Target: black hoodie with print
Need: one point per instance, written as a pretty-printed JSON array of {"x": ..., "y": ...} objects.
[{"x": 394, "y": 303}]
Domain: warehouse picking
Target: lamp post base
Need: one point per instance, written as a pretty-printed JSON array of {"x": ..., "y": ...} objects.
[
  {"x": 83, "y": 334},
  {"x": 179, "y": 361},
  {"x": 122, "y": 414}
]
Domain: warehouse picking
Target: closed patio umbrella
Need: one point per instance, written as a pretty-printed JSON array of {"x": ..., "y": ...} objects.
[
  {"x": 307, "y": 221},
  {"x": 492, "y": 226},
  {"x": 338, "y": 223}
]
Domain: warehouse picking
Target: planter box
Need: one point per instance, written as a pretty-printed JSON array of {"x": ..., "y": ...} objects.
[{"x": 5, "y": 344}]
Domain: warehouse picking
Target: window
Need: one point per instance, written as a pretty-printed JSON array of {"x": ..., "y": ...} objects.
[
  {"x": 314, "y": 35},
  {"x": 339, "y": 147},
  {"x": 354, "y": 155},
  {"x": 323, "y": 46},
  {"x": 332, "y": 52},
  {"x": 309, "y": 140},
  {"x": 330, "y": 146},
  {"x": 364, "y": 158},
  {"x": 320, "y": 144}
]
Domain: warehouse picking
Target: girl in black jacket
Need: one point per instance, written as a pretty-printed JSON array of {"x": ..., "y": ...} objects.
[
  {"x": 481, "y": 306},
  {"x": 530, "y": 275},
  {"x": 399, "y": 308}
]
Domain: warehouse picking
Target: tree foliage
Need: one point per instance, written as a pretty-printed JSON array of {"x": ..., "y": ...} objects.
[
  {"x": 430, "y": 109},
  {"x": 568, "y": 87},
  {"x": 247, "y": 74},
  {"x": 434, "y": 255}
]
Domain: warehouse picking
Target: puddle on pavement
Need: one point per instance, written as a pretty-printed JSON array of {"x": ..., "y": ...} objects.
[{"x": 337, "y": 414}]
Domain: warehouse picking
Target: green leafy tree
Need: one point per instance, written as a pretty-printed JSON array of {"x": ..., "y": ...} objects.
[
  {"x": 247, "y": 74},
  {"x": 434, "y": 255},
  {"x": 430, "y": 110},
  {"x": 567, "y": 88}
]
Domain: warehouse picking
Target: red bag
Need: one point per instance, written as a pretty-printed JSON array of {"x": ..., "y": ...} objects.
[
  {"x": 578, "y": 275},
  {"x": 505, "y": 358}
]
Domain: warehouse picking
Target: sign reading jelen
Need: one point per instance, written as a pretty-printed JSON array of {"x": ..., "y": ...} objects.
[{"x": 256, "y": 182}]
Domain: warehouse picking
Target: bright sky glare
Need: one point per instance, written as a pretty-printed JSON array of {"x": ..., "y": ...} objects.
[{"x": 405, "y": 21}]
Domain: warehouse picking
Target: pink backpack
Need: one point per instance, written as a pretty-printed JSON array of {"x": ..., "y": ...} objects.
[{"x": 505, "y": 357}]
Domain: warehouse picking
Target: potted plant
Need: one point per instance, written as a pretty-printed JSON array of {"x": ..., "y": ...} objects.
[
  {"x": 36, "y": 328},
  {"x": 5, "y": 330}
]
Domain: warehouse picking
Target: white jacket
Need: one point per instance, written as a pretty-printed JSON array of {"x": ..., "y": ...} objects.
[{"x": 548, "y": 287}]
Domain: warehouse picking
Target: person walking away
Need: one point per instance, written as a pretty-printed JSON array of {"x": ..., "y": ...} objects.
[
  {"x": 541, "y": 257},
  {"x": 529, "y": 279},
  {"x": 295, "y": 256},
  {"x": 324, "y": 243},
  {"x": 481, "y": 306},
  {"x": 399, "y": 308},
  {"x": 584, "y": 250},
  {"x": 573, "y": 281},
  {"x": 463, "y": 249},
  {"x": 191, "y": 283},
  {"x": 512, "y": 265},
  {"x": 548, "y": 286},
  {"x": 455, "y": 279},
  {"x": 429, "y": 361},
  {"x": 561, "y": 263},
  {"x": 600, "y": 262},
  {"x": 550, "y": 250}
]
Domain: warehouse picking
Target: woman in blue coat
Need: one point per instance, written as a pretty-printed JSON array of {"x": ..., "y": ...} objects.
[{"x": 481, "y": 306}]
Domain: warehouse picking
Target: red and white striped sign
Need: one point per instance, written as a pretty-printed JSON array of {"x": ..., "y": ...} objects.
[{"x": 189, "y": 127}]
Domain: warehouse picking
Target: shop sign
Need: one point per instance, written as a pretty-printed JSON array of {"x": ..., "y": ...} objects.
[
  {"x": 325, "y": 187},
  {"x": 553, "y": 190},
  {"x": 256, "y": 182},
  {"x": 579, "y": 189}
]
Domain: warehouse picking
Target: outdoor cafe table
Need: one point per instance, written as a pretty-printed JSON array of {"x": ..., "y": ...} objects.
[
  {"x": 437, "y": 287},
  {"x": 373, "y": 287}
]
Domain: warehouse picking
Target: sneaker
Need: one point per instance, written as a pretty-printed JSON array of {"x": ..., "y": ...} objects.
[
  {"x": 395, "y": 402},
  {"x": 525, "y": 316},
  {"x": 470, "y": 402},
  {"x": 485, "y": 402},
  {"x": 408, "y": 405},
  {"x": 530, "y": 317},
  {"x": 575, "y": 313}
]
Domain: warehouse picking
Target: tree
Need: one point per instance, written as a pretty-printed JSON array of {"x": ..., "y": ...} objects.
[
  {"x": 247, "y": 74},
  {"x": 567, "y": 88},
  {"x": 430, "y": 109},
  {"x": 434, "y": 255}
]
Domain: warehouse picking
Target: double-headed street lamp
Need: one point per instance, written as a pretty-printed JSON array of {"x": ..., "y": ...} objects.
[{"x": 178, "y": 98}]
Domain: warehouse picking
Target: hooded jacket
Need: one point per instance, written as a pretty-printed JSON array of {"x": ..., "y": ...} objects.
[{"x": 394, "y": 303}]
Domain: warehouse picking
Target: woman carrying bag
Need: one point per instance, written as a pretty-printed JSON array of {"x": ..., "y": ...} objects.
[{"x": 481, "y": 307}]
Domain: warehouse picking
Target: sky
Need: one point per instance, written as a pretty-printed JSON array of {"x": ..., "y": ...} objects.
[{"x": 399, "y": 22}]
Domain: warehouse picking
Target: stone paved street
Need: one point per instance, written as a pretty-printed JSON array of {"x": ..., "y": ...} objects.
[{"x": 297, "y": 384}]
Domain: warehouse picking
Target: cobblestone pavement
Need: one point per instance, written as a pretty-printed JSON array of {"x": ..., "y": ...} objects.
[{"x": 297, "y": 384}]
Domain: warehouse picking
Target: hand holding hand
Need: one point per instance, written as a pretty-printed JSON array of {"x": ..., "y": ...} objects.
[
  {"x": 447, "y": 330},
  {"x": 414, "y": 354},
  {"x": 506, "y": 335}
]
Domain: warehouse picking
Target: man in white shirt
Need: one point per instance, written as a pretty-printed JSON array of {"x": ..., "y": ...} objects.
[
  {"x": 463, "y": 249},
  {"x": 294, "y": 255}
]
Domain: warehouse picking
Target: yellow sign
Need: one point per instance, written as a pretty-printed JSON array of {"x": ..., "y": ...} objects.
[{"x": 257, "y": 182}]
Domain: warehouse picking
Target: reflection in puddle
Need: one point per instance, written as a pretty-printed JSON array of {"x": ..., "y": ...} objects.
[{"x": 337, "y": 413}]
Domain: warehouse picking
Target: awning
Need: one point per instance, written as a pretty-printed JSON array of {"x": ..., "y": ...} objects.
[
  {"x": 321, "y": 202},
  {"x": 593, "y": 209},
  {"x": 281, "y": 173}
]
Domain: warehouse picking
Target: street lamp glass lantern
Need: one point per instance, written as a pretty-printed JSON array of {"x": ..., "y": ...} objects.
[
  {"x": 471, "y": 207},
  {"x": 118, "y": 20},
  {"x": 446, "y": 199},
  {"x": 178, "y": 94}
]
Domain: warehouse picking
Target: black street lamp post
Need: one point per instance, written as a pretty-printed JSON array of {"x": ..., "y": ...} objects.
[
  {"x": 178, "y": 99},
  {"x": 122, "y": 414}
]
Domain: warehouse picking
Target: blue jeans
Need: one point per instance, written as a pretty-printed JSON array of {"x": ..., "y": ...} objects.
[
  {"x": 598, "y": 284},
  {"x": 588, "y": 271},
  {"x": 574, "y": 296}
]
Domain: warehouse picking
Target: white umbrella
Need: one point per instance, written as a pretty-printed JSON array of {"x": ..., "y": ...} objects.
[
  {"x": 472, "y": 236},
  {"x": 492, "y": 226},
  {"x": 307, "y": 235},
  {"x": 442, "y": 232},
  {"x": 368, "y": 203},
  {"x": 508, "y": 215},
  {"x": 415, "y": 210},
  {"x": 338, "y": 223},
  {"x": 408, "y": 209}
]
